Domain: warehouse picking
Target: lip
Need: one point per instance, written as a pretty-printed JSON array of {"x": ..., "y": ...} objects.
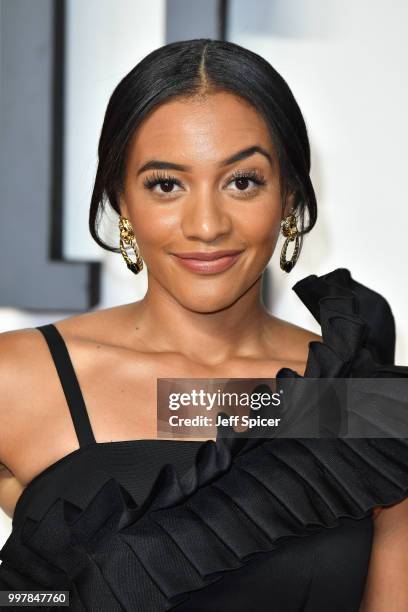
[
  {"x": 208, "y": 266},
  {"x": 207, "y": 256}
]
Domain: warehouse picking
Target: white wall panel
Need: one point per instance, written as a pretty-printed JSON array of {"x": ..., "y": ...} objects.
[{"x": 346, "y": 63}]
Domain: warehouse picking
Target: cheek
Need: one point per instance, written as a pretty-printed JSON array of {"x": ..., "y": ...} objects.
[
  {"x": 153, "y": 227},
  {"x": 259, "y": 224}
]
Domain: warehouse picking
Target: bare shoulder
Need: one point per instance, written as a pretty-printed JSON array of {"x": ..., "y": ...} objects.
[
  {"x": 25, "y": 359},
  {"x": 23, "y": 363},
  {"x": 301, "y": 334},
  {"x": 31, "y": 396},
  {"x": 293, "y": 339},
  {"x": 288, "y": 344},
  {"x": 20, "y": 351},
  {"x": 105, "y": 326}
]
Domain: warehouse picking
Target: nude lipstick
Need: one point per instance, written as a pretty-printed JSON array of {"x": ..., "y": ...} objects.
[{"x": 207, "y": 262}]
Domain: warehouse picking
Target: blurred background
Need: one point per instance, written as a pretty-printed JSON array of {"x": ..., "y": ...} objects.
[{"x": 346, "y": 63}]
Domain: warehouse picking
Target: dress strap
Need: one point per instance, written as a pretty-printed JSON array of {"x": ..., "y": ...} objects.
[{"x": 69, "y": 382}]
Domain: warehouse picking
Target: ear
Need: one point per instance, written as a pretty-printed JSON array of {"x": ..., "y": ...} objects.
[
  {"x": 123, "y": 207},
  {"x": 289, "y": 203}
]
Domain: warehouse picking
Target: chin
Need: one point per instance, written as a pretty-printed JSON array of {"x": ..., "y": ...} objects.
[{"x": 207, "y": 304}]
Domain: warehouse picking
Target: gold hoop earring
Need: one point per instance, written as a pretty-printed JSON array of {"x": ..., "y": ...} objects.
[
  {"x": 127, "y": 238},
  {"x": 291, "y": 232}
]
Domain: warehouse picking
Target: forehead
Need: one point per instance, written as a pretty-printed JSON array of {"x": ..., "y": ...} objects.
[{"x": 203, "y": 130}]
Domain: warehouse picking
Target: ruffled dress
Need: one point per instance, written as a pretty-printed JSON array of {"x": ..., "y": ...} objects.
[{"x": 241, "y": 524}]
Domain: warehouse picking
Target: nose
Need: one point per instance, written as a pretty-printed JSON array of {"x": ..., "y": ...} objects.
[{"x": 204, "y": 217}]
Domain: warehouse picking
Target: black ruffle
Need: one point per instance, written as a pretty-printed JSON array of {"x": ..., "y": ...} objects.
[{"x": 242, "y": 496}]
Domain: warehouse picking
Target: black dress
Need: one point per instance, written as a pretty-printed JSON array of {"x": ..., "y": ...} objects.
[{"x": 240, "y": 524}]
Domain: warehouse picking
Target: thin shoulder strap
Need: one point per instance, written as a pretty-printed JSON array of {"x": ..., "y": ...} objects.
[{"x": 69, "y": 382}]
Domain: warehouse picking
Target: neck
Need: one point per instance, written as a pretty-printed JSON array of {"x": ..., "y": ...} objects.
[{"x": 235, "y": 330}]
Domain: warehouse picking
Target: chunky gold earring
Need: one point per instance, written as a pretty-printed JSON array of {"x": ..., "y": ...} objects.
[
  {"x": 291, "y": 232},
  {"x": 127, "y": 238}
]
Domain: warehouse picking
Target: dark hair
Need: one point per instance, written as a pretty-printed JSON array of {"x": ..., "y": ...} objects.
[{"x": 200, "y": 67}]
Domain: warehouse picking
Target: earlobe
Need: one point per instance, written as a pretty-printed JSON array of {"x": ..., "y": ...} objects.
[
  {"x": 289, "y": 203},
  {"x": 123, "y": 208}
]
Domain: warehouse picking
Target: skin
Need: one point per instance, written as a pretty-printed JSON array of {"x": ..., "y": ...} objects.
[
  {"x": 205, "y": 214},
  {"x": 187, "y": 324}
]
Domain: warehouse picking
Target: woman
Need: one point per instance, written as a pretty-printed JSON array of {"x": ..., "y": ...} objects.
[{"x": 203, "y": 149}]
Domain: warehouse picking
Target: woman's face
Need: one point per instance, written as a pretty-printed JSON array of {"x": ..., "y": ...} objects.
[{"x": 192, "y": 201}]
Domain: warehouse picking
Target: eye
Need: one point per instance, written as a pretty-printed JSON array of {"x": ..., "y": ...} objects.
[
  {"x": 243, "y": 177},
  {"x": 165, "y": 181}
]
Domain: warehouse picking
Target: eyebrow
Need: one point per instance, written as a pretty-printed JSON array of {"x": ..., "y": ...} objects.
[{"x": 243, "y": 154}]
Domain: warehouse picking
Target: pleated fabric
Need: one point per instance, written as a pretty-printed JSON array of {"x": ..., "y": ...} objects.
[{"x": 272, "y": 524}]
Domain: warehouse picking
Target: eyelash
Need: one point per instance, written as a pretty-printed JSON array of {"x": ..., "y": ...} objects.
[{"x": 158, "y": 178}]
